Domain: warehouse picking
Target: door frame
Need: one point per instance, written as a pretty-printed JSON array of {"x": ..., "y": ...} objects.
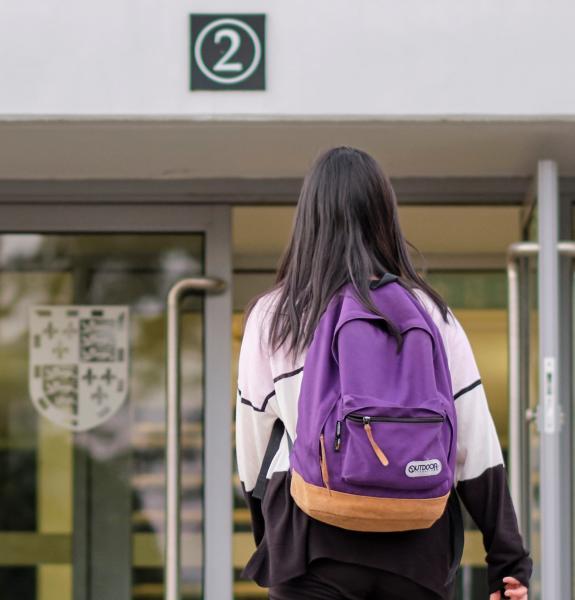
[
  {"x": 214, "y": 221},
  {"x": 554, "y": 408},
  {"x": 553, "y": 412}
]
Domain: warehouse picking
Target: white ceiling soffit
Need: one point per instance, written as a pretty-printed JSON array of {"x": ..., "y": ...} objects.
[{"x": 186, "y": 149}]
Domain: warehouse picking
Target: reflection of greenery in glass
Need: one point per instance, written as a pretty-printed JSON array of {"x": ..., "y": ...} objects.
[
  {"x": 465, "y": 289},
  {"x": 37, "y": 461}
]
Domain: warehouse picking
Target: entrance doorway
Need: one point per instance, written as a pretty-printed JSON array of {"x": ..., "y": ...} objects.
[
  {"x": 464, "y": 258},
  {"x": 83, "y": 318},
  {"x": 83, "y": 511}
]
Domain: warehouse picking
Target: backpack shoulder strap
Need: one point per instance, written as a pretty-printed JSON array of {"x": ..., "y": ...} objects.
[{"x": 275, "y": 440}]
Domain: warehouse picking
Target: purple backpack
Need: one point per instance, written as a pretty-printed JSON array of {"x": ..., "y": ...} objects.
[{"x": 376, "y": 430}]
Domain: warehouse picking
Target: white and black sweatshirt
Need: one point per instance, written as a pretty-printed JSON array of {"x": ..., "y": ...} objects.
[{"x": 287, "y": 539}]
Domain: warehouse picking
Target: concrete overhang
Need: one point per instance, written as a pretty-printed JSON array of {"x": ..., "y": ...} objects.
[{"x": 190, "y": 149}]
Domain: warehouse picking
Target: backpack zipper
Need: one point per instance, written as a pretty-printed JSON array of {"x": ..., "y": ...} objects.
[
  {"x": 367, "y": 420},
  {"x": 360, "y": 419},
  {"x": 337, "y": 444}
]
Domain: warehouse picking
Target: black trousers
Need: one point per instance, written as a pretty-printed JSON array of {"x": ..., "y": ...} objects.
[{"x": 328, "y": 579}]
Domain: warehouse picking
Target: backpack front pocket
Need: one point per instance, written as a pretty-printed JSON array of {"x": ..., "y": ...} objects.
[{"x": 393, "y": 451}]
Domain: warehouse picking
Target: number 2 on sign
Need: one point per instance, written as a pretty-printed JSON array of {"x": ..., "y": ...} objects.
[{"x": 223, "y": 65}]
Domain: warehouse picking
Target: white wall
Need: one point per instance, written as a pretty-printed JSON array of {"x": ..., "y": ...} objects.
[{"x": 324, "y": 57}]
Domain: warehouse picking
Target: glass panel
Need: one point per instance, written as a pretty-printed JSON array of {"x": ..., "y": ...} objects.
[{"x": 82, "y": 512}]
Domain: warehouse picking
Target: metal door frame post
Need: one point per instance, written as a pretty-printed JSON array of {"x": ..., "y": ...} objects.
[{"x": 555, "y": 532}]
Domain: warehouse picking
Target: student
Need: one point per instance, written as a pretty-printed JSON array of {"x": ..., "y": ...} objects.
[{"x": 346, "y": 230}]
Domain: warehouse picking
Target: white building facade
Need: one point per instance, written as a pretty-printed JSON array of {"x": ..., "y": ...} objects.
[{"x": 130, "y": 132}]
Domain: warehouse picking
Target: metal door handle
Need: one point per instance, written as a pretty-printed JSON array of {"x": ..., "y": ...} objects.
[
  {"x": 516, "y": 422},
  {"x": 172, "y": 556}
]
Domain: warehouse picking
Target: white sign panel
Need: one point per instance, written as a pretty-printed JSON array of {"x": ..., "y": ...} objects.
[{"x": 78, "y": 363}]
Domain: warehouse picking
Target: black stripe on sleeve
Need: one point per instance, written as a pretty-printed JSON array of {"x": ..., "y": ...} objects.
[
  {"x": 290, "y": 374},
  {"x": 271, "y": 394},
  {"x": 249, "y": 403},
  {"x": 467, "y": 388}
]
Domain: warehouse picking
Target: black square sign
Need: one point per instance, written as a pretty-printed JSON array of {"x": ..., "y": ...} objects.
[{"x": 227, "y": 52}]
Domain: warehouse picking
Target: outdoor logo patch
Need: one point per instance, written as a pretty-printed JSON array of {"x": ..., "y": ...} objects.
[{"x": 423, "y": 468}]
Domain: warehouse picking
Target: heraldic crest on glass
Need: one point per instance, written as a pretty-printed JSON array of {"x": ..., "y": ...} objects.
[{"x": 78, "y": 363}]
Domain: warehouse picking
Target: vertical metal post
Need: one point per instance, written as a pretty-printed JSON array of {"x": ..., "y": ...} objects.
[
  {"x": 565, "y": 385},
  {"x": 218, "y": 487},
  {"x": 554, "y": 582}
]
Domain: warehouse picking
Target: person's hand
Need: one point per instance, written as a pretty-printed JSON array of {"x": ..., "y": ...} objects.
[{"x": 513, "y": 589}]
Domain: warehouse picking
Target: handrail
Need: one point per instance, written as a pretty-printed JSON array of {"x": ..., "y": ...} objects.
[
  {"x": 515, "y": 251},
  {"x": 172, "y": 556}
]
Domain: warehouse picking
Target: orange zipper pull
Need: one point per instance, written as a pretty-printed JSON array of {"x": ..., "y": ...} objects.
[
  {"x": 323, "y": 464},
  {"x": 378, "y": 451}
]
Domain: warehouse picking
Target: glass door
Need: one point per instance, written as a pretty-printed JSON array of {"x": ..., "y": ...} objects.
[
  {"x": 84, "y": 374},
  {"x": 540, "y": 384}
]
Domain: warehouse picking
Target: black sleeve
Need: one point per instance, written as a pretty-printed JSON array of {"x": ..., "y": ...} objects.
[
  {"x": 488, "y": 501},
  {"x": 255, "y": 508}
]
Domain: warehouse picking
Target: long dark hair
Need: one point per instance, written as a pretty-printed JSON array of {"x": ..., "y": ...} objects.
[{"x": 346, "y": 229}]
